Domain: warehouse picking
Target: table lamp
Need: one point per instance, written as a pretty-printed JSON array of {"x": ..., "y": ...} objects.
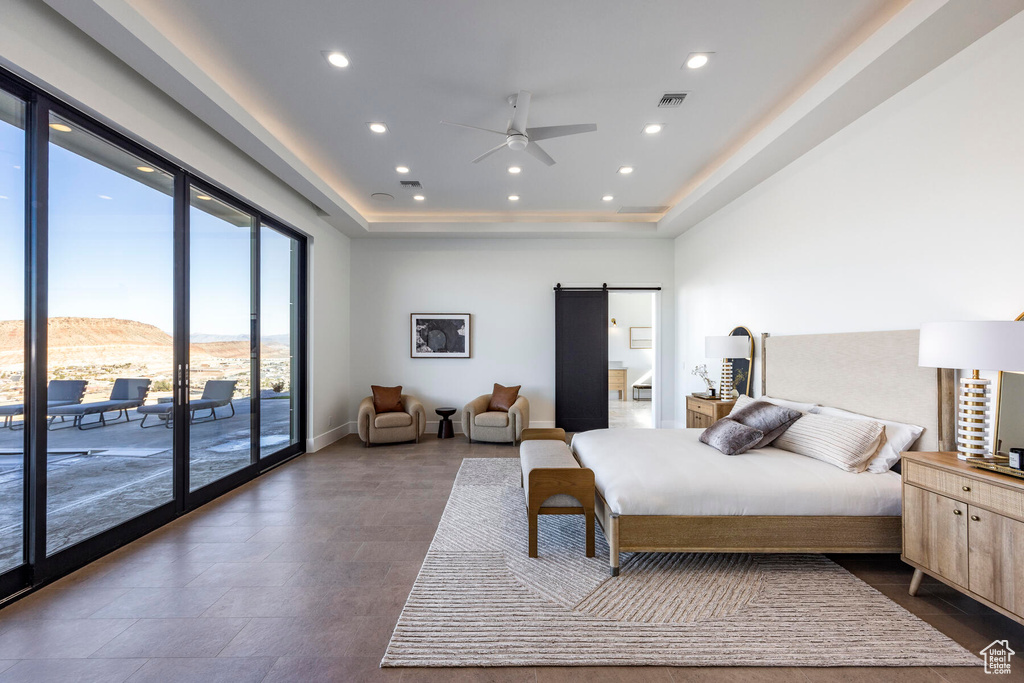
[
  {"x": 979, "y": 345},
  {"x": 726, "y": 348}
]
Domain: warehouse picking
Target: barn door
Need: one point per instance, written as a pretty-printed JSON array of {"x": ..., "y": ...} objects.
[{"x": 581, "y": 359}]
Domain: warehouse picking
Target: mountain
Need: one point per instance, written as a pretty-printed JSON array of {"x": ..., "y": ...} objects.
[{"x": 113, "y": 341}]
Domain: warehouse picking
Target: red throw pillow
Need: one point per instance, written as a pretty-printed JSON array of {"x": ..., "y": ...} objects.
[
  {"x": 502, "y": 398},
  {"x": 387, "y": 399}
]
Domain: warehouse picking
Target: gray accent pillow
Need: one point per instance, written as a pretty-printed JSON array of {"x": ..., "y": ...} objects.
[
  {"x": 769, "y": 418},
  {"x": 731, "y": 437}
]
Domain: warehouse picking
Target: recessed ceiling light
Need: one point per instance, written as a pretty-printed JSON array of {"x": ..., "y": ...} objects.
[
  {"x": 60, "y": 127},
  {"x": 514, "y": 169},
  {"x": 145, "y": 169},
  {"x": 418, "y": 197},
  {"x": 513, "y": 198},
  {"x": 402, "y": 169},
  {"x": 607, "y": 198},
  {"x": 204, "y": 197},
  {"x": 103, "y": 196},
  {"x": 336, "y": 59},
  {"x": 652, "y": 128},
  {"x": 625, "y": 170},
  {"x": 378, "y": 127},
  {"x": 698, "y": 59}
]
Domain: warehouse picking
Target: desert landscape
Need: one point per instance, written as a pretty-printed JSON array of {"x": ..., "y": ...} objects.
[{"x": 102, "y": 349}]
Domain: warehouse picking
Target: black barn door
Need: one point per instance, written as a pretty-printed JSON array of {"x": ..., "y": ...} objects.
[{"x": 581, "y": 359}]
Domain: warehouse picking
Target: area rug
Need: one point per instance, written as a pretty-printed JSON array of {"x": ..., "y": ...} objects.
[{"x": 480, "y": 601}]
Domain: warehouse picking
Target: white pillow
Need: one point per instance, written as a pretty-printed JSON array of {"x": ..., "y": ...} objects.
[
  {"x": 899, "y": 437},
  {"x": 795, "y": 405},
  {"x": 741, "y": 402},
  {"x": 847, "y": 444}
]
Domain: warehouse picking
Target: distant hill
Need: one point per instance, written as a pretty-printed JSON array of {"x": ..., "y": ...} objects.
[
  {"x": 113, "y": 341},
  {"x": 267, "y": 338}
]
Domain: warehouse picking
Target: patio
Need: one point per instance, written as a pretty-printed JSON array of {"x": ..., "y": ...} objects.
[{"x": 99, "y": 478}]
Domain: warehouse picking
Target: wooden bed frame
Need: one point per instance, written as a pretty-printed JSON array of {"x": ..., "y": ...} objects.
[{"x": 874, "y": 373}]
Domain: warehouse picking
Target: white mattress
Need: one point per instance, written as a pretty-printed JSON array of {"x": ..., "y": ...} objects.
[{"x": 670, "y": 472}]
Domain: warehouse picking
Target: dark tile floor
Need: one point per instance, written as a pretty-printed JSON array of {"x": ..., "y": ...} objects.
[{"x": 301, "y": 576}]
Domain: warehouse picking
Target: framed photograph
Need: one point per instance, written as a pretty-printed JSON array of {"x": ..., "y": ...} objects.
[
  {"x": 641, "y": 337},
  {"x": 439, "y": 335}
]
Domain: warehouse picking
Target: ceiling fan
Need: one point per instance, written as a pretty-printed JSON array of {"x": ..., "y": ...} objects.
[{"x": 518, "y": 137}]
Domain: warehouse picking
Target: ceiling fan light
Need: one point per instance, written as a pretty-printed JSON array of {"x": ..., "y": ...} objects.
[{"x": 518, "y": 142}]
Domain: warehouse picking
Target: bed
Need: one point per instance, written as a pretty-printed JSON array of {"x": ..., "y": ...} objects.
[{"x": 664, "y": 491}]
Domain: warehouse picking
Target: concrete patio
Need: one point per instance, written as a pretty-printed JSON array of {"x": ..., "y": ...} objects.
[{"x": 99, "y": 478}]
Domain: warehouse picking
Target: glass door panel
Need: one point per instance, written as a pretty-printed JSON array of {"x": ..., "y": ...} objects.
[
  {"x": 12, "y": 331},
  {"x": 220, "y": 346},
  {"x": 279, "y": 321},
  {"x": 109, "y": 335}
]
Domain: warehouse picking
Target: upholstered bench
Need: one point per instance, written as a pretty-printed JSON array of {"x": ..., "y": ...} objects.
[{"x": 555, "y": 484}]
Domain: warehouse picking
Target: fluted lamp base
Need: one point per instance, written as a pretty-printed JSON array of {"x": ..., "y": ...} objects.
[{"x": 972, "y": 423}]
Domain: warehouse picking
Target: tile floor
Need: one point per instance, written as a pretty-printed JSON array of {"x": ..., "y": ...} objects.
[
  {"x": 630, "y": 414},
  {"x": 301, "y": 575}
]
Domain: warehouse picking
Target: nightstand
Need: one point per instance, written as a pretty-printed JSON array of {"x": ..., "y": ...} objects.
[
  {"x": 704, "y": 412},
  {"x": 965, "y": 527}
]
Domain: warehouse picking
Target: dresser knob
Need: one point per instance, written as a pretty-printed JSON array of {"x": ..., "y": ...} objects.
[
  {"x": 957, "y": 512},
  {"x": 967, "y": 488},
  {"x": 975, "y": 518}
]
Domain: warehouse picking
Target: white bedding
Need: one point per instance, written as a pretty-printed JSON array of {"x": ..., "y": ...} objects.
[{"x": 670, "y": 472}]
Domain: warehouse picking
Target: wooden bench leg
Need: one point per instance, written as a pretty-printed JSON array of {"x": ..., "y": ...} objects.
[
  {"x": 589, "y": 514},
  {"x": 613, "y": 545}
]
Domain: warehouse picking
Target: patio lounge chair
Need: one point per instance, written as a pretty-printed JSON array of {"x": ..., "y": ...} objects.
[
  {"x": 59, "y": 392},
  {"x": 126, "y": 394},
  {"x": 216, "y": 394}
]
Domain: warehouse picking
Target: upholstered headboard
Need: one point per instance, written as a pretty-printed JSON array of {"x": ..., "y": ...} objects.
[{"x": 873, "y": 373}]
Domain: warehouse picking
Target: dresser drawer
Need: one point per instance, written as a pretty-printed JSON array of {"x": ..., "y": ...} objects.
[
  {"x": 701, "y": 407},
  {"x": 1005, "y": 501}
]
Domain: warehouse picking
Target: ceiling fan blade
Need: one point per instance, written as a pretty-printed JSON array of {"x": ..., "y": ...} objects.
[
  {"x": 548, "y": 132},
  {"x": 463, "y": 125},
  {"x": 521, "y": 112},
  {"x": 533, "y": 149},
  {"x": 489, "y": 153}
]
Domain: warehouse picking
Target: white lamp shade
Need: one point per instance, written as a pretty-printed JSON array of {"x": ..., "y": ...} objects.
[
  {"x": 976, "y": 345},
  {"x": 726, "y": 347}
]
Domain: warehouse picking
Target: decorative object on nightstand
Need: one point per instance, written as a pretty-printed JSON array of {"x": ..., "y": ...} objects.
[
  {"x": 981, "y": 345},
  {"x": 702, "y": 372},
  {"x": 965, "y": 527},
  {"x": 726, "y": 347},
  {"x": 704, "y": 412}
]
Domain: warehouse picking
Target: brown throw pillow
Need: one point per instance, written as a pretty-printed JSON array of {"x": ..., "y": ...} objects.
[
  {"x": 731, "y": 437},
  {"x": 387, "y": 399},
  {"x": 769, "y": 418},
  {"x": 502, "y": 398}
]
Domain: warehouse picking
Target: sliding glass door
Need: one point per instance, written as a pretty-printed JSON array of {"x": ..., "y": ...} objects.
[
  {"x": 12, "y": 332},
  {"x": 151, "y": 339},
  {"x": 221, "y": 316}
]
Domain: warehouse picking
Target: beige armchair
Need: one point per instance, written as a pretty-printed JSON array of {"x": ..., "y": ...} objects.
[
  {"x": 495, "y": 427},
  {"x": 392, "y": 427}
]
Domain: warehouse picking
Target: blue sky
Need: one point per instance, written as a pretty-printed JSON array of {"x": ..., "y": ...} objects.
[{"x": 111, "y": 241}]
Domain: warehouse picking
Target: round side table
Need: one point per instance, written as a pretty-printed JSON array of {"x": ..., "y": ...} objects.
[{"x": 445, "y": 428}]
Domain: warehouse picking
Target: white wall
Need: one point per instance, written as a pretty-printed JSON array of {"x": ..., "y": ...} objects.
[
  {"x": 507, "y": 286},
  {"x": 630, "y": 309},
  {"x": 914, "y": 212},
  {"x": 41, "y": 45}
]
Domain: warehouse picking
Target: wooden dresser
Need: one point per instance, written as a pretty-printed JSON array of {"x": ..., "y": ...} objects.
[
  {"x": 704, "y": 412},
  {"x": 965, "y": 527},
  {"x": 617, "y": 381}
]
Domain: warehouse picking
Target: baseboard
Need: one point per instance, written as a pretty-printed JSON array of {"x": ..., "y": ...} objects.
[{"x": 329, "y": 437}]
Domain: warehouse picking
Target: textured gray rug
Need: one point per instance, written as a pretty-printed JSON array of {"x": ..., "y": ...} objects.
[{"x": 480, "y": 601}]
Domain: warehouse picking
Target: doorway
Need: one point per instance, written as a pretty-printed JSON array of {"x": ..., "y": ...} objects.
[{"x": 631, "y": 359}]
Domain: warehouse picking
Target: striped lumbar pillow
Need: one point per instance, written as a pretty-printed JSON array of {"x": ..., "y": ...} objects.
[{"x": 847, "y": 444}]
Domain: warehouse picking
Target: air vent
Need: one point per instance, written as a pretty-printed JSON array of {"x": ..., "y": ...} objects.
[
  {"x": 411, "y": 184},
  {"x": 643, "y": 209},
  {"x": 671, "y": 99}
]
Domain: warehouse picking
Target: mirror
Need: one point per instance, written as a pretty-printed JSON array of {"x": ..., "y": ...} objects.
[
  {"x": 1010, "y": 411},
  {"x": 742, "y": 368}
]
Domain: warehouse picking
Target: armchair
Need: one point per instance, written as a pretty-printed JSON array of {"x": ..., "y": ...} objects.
[
  {"x": 392, "y": 427},
  {"x": 495, "y": 427}
]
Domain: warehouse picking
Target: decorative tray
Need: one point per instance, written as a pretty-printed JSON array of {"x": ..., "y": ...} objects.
[{"x": 996, "y": 465}]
